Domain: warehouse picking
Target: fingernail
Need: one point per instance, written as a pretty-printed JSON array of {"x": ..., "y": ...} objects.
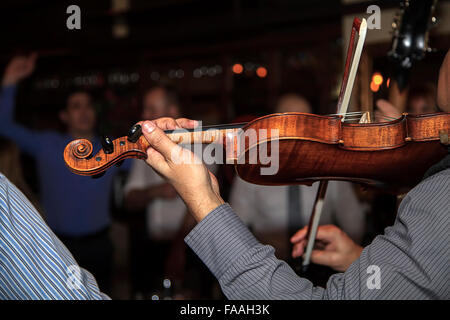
[
  {"x": 195, "y": 123},
  {"x": 149, "y": 126}
]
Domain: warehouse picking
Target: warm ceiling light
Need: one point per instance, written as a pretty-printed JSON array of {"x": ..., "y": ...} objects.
[
  {"x": 377, "y": 78},
  {"x": 388, "y": 82},
  {"x": 238, "y": 68},
  {"x": 261, "y": 72},
  {"x": 374, "y": 87}
]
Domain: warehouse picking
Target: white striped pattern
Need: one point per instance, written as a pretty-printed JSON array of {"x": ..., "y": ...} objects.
[
  {"x": 413, "y": 255},
  {"x": 34, "y": 264}
]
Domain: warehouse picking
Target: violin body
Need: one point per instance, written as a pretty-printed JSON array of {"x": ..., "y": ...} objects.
[{"x": 392, "y": 155}]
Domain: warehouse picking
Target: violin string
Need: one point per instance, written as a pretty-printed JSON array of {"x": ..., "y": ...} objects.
[
  {"x": 387, "y": 118},
  {"x": 355, "y": 113},
  {"x": 349, "y": 116},
  {"x": 345, "y": 113}
]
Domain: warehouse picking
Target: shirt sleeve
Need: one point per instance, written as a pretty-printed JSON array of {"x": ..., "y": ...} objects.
[
  {"x": 34, "y": 264},
  {"x": 245, "y": 268},
  {"x": 28, "y": 140},
  {"x": 410, "y": 261}
]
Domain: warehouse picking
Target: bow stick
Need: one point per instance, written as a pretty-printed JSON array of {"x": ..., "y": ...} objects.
[{"x": 351, "y": 67}]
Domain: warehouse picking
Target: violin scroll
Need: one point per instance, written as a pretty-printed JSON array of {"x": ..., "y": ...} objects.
[
  {"x": 80, "y": 148},
  {"x": 79, "y": 157}
]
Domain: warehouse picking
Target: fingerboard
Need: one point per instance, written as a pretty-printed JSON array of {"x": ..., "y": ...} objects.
[{"x": 205, "y": 135}]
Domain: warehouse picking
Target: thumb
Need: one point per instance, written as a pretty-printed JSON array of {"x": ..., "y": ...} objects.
[{"x": 158, "y": 139}]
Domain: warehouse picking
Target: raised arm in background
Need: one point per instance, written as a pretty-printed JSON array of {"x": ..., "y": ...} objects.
[{"x": 18, "y": 68}]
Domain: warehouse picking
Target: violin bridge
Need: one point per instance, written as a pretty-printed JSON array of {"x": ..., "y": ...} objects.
[
  {"x": 365, "y": 118},
  {"x": 443, "y": 137}
]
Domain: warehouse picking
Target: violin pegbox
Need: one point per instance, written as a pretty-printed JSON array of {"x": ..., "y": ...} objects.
[{"x": 79, "y": 158}]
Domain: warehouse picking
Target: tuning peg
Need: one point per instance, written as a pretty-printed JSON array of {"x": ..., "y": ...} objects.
[
  {"x": 134, "y": 133},
  {"x": 107, "y": 145}
]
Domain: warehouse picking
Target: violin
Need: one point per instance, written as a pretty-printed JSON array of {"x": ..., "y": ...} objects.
[{"x": 392, "y": 155}]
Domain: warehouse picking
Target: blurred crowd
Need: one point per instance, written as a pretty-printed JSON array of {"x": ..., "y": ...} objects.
[{"x": 79, "y": 210}]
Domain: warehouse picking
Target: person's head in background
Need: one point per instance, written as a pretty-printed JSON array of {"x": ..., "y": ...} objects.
[
  {"x": 11, "y": 168},
  {"x": 79, "y": 114},
  {"x": 160, "y": 101},
  {"x": 443, "y": 91},
  {"x": 292, "y": 102},
  {"x": 422, "y": 99}
]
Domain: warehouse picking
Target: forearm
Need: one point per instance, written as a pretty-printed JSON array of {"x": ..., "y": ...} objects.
[
  {"x": 28, "y": 140},
  {"x": 408, "y": 262},
  {"x": 245, "y": 268}
]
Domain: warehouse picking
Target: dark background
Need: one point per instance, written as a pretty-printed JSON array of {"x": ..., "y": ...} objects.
[
  {"x": 173, "y": 41},
  {"x": 192, "y": 45},
  {"x": 299, "y": 42}
]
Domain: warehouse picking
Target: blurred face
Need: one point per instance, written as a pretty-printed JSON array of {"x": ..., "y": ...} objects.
[
  {"x": 443, "y": 94},
  {"x": 155, "y": 105},
  {"x": 79, "y": 115},
  {"x": 420, "y": 105},
  {"x": 290, "y": 103}
]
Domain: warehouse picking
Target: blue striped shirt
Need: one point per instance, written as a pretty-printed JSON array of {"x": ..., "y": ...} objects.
[{"x": 34, "y": 264}]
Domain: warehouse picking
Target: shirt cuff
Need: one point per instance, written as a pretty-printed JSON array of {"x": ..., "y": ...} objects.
[{"x": 219, "y": 239}]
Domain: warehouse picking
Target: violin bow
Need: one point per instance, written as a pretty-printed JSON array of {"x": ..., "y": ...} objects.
[{"x": 348, "y": 79}]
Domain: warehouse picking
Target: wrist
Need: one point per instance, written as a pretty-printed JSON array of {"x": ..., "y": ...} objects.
[{"x": 202, "y": 206}]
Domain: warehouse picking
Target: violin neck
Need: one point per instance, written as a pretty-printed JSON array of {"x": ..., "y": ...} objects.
[{"x": 206, "y": 135}]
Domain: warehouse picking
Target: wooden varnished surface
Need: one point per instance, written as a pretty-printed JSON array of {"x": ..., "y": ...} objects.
[
  {"x": 394, "y": 154},
  {"x": 89, "y": 164}
]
